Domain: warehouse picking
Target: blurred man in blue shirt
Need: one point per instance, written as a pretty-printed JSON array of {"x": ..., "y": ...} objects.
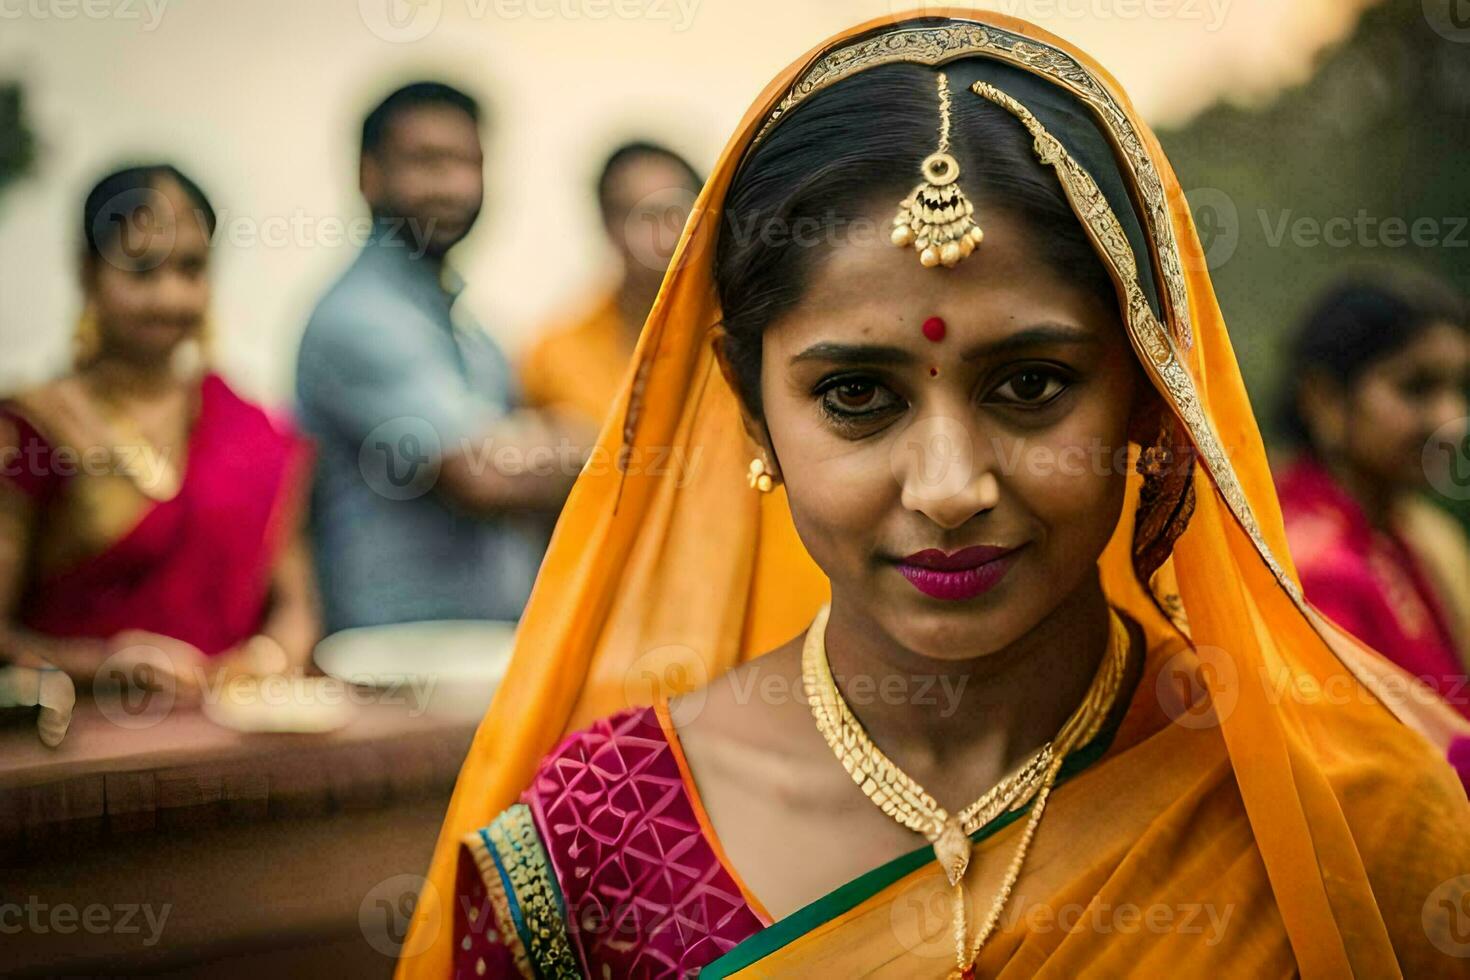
[{"x": 415, "y": 514}]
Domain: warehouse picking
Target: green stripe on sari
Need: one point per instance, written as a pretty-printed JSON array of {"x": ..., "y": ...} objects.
[{"x": 864, "y": 887}]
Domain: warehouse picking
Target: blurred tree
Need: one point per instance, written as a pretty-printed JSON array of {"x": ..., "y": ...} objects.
[
  {"x": 1363, "y": 164},
  {"x": 17, "y": 142}
]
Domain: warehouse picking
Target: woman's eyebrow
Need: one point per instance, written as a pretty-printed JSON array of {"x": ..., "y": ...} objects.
[
  {"x": 855, "y": 354},
  {"x": 1040, "y": 335}
]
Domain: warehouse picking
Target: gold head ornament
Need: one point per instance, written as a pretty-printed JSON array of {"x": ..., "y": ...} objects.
[{"x": 937, "y": 219}]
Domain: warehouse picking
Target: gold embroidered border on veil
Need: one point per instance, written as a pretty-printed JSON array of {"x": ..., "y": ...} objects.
[{"x": 665, "y": 569}]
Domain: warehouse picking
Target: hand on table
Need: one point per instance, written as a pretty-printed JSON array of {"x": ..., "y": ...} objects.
[{"x": 155, "y": 662}]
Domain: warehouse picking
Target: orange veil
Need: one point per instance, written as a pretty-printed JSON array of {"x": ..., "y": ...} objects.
[{"x": 665, "y": 569}]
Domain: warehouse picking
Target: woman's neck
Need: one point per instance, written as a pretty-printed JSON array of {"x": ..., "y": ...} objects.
[
  {"x": 635, "y": 298},
  {"x": 1376, "y": 498},
  {"x": 960, "y": 726},
  {"x": 120, "y": 380}
]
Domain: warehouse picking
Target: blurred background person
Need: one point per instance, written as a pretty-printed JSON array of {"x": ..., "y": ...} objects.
[
  {"x": 644, "y": 194},
  {"x": 432, "y": 492},
  {"x": 1378, "y": 375},
  {"x": 146, "y": 510}
]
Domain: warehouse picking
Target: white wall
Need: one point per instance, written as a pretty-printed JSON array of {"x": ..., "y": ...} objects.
[{"x": 261, "y": 100}]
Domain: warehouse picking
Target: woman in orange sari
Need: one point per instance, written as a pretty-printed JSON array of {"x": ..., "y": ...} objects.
[
  {"x": 948, "y": 527},
  {"x": 149, "y": 515}
]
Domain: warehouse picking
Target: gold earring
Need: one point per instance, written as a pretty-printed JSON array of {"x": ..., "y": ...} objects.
[
  {"x": 759, "y": 477},
  {"x": 86, "y": 341},
  {"x": 937, "y": 218}
]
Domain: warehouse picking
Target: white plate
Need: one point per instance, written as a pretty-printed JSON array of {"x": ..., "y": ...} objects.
[{"x": 452, "y": 665}]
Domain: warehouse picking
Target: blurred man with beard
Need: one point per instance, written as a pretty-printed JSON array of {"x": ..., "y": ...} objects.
[{"x": 432, "y": 491}]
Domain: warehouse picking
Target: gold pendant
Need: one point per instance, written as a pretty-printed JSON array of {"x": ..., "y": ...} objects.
[{"x": 952, "y": 848}]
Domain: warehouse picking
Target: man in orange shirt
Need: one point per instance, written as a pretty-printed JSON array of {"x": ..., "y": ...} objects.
[{"x": 645, "y": 193}]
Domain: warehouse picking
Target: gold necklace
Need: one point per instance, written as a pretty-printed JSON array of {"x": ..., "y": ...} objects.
[{"x": 900, "y": 796}]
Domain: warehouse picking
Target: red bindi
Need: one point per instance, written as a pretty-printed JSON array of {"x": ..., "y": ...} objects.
[{"x": 933, "y": 329}]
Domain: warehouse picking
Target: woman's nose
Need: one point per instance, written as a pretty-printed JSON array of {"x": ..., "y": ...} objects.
[{"x": 941, "y": 474}]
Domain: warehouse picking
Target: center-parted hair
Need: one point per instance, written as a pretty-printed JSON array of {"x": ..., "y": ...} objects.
[{"x": 113, "y": 202}]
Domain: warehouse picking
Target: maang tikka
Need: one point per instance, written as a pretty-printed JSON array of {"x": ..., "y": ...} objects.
[{"x": 936, "y": 218}]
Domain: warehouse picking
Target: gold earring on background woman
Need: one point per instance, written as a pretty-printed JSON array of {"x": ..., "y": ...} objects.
[{"x": 86, "y": 344}]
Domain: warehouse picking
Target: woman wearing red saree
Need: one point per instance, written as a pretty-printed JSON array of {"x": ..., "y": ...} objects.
[
  {"x": 949, "y": 525},
  {"x": 147, "y": 512},
  {"x": 1378, "y": 377}
]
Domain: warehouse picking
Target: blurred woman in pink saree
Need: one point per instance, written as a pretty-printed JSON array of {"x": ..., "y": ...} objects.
[{"x": 147, "y": 512}]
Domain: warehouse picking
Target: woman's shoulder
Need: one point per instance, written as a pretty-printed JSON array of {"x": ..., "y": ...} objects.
[
  {"x": 1410, "y": 822},
  {"x": 604, "y": 853}
]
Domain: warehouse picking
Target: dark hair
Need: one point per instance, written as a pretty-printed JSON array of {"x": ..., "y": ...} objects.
[
  {"x": 113, "y": 199},
  {"x": 416, "y": 95},
  {"x": 1359, "y": 320},
  {"x": 858, "y": 143},
  {"x": 634, "y": 151}
]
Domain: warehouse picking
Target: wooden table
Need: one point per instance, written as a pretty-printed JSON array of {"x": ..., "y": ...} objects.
[{"x": 186, "y": 849}]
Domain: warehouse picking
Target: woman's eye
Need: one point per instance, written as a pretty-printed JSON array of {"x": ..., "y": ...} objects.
[
  {"x": 857, "y": 398},
  {"x": 1031, "y": 387}
]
